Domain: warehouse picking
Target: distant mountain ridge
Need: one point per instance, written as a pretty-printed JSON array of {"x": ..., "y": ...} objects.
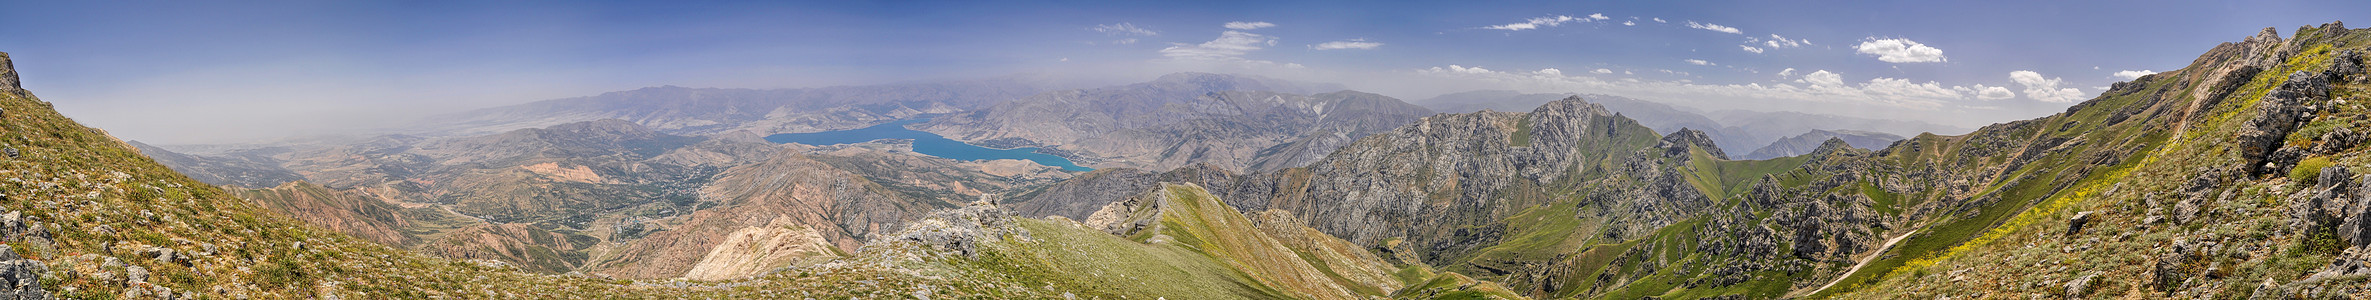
[
  {"x": 702, "y": 111},
  {"x": 1235, "y": 122},
  {"x": 1810, "y": 141},
  {"x": 1732, "y": 129}
]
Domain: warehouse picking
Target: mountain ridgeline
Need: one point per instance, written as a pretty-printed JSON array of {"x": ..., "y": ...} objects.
[
  {"x": 2237, "y": 176},
  {"x": 1229, "y": 121},
  {"x": 1571, "y": 201}
]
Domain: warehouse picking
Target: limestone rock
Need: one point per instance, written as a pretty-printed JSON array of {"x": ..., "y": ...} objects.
[
  {"x": 2280, "y": 112},
  {"x": 2354, "y": 261},
  {"x": 8, "y": 81},
  {"x": 962, "y": 230},
  {"x": 1140, "y": 213},
  {"x": 2080, "y": 286},
  {"x": 2075, "y": 225},
  {"x": 20, "y": 278}
]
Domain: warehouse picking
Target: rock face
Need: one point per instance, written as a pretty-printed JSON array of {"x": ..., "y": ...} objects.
[
  {"x": 1237, "y": 123},
  {"x": 2279, "y": 113},
  {"x": 1805, "y": 143},
  {"x": 8, "y": 78}
]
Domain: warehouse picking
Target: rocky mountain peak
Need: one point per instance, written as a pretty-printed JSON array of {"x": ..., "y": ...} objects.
[
  {"x": 1678, "y": 143},
  {"x": 1573, "y": 105},
  {"x": 1833, "y": 144},
  {"x": 8, "y": 81}
]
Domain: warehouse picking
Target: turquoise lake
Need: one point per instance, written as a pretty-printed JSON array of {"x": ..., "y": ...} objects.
[{"x": 925, "y": 143}]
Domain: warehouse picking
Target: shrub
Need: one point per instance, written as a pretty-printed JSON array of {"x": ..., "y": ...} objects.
[{"x": 2309, "y": 169}]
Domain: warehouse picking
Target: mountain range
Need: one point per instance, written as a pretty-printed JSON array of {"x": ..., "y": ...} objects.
[{"x": 2233, "y": 177}]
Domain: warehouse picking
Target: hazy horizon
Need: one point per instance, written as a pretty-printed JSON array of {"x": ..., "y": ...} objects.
[{"x": 190, "y": 73}]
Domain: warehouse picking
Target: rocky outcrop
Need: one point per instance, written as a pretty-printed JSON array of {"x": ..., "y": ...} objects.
[
  {"x": 2280, "y": 112},
  {"x": 8, "y": 78},
  {"x": 1128, "y": 217},
  {"x": 20, "y": 278},
  {"x": 963, "y": 230},
  {"x": 2339, "y": 204}
]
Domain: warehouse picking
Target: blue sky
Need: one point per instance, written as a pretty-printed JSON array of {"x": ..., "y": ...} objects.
[{"x": 184, "y": 72}]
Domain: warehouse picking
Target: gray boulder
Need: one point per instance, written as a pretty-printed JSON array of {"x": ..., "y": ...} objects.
[{"x": 20, "y": 278}]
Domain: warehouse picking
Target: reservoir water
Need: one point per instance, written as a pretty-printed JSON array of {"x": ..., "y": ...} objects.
[{"x": 925, "y": 143}]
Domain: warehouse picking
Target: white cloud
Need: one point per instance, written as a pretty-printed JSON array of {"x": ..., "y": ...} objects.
[
  {"x": 1629, "y": 23},
  {"x": 1713, "y": 27},
  {"x": 1750, "y": 48},
  {"x": 1660, "y": 20},
  {"x": 2130, "y": 74},
  {"x": 1823, "y": 78},
  {"x": 1249, "y": 25},
  {"x": 1360, "y": 44},
  {"x": 1123, "y": 28},
  {"x": 1230, "y": 45},
  {"x": 1816, "y": 87},
  {"x": 1550, "y": 72},
  {"x": 1535, "y": 23},
  {"x": 1788, "y": 72},
  {"x": 1602, "y": 71},
  {"x": 1456, "y": 69},
  {"x": 1699, "y": 62},
  {"x": 1901, "y": 51},
  {"x": 1986, "y": 92},
  {"x": 1125, "y": 41},
  {"x": 1777, "y": 42},
  {"x": 1903, "y": 88},
  {"x": 2044, "y": 89}
]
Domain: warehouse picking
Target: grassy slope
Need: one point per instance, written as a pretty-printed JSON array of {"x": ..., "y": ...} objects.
[{"x": 2032, "y": 237}]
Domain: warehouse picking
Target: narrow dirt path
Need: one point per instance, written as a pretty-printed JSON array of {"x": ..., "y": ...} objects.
[{"x": 1889, "y": 244}]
